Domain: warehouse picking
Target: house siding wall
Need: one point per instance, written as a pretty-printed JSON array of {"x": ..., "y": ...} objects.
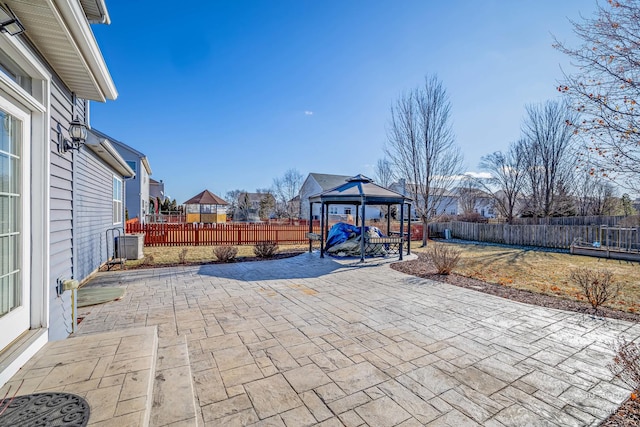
[
  {"x": 309, "y": 188},
  {"x": 144, "y": 194},
  {"x": 61, "y": 211},
  {"x": 93, "y": 213},
  {"x": 136, "y": 188}
]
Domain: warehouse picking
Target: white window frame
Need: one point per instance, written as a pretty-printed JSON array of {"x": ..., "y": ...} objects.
[
  {"x": 37, "y": 154},
  {"x": 117, "y": 203}
]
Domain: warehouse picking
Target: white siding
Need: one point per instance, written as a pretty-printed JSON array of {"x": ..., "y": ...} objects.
[
  {"x": 93, "y": 213},
  {"x": 61, "y": 222}
]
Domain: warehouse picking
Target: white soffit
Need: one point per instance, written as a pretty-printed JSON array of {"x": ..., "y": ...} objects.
[
  {"x": 60, "y": 30},
  {"x": 103, "y": 149},
  {"x": 96, "y": 11}
]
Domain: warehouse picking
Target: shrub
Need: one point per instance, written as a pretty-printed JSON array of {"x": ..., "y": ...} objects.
[
  {"x": 148, "y": 260},
  {"x": 225, "y": 253},
  {"x": 265, "y": 249},
  {"x": 597, "y": 285},
  {"x": 182, "y": 256},
  {"x": 444, "y": 258},
  {"x": 626, "y": 362}
]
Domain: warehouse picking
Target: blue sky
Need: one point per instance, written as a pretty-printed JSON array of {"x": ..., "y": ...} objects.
[{"x": 228, "y": 95}]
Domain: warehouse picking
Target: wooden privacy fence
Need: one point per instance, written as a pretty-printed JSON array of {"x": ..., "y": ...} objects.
[
  {"x": 188, "y": 234},
  {"x": 548, "y": 236}
]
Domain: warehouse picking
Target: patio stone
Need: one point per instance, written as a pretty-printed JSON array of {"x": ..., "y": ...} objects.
[
  {"x": 382, "y": 412},
  {"x": 306, "y": 378},
  {"x": 271, "y": 396},
  {"x": 299, "y": 417},
  {"x": 357, "y": 377},
  {"x": 331, "y": 342}
]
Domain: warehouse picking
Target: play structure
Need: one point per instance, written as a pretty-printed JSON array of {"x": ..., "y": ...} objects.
[{"x": 613, "y": 242}]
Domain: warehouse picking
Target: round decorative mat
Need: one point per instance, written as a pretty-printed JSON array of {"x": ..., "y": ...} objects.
[{"x": 44, "y": 409}]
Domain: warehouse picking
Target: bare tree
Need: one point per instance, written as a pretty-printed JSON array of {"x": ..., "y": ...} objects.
[
  {"x": 606, "y": 89},
  {"x": 422, "y": 148},
  {"x": 548, "y": 154},
  {"x": 507, "y": 178},
  {"x": 285, "y": 190},
  {"x": 233, "y": 198},
  {"x": 385, "y": 175},
  {"x": 468, "y": 194},
  {"x": 594, "y": 195}
]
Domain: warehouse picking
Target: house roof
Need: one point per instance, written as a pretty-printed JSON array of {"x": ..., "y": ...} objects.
[
  {"x": 255, "y": 197},
  {"x": 478, "y": 192},
  {"x": 61, "y": 32},
  {"x": 359, "y": 189},
  {"x": 122, "y": 145},
  {"x": 206, "y": 198},
  {"x": 412, "y": 188},
  {"x": 104, "y": 150},
  {"x": 328, "y": 181}
]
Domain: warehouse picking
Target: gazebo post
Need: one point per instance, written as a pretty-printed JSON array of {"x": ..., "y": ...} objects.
[
  {"x": 388, "y": 220},
  {"x": 409, "y": 230},
  {"x": 310, "y": 225},
  {"x": 326, "y": 221},
  {"x": 362, "y": 232},
  {"x": 401, "y": 229},
  {"x": 321, "y": 229}
]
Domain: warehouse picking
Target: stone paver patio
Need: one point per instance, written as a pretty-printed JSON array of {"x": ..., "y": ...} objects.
[{"x": 310, "y": 341}]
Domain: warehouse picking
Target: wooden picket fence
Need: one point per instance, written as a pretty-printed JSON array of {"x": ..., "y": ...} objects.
[
  {"x": 548, "y": 236},
  {"x": 188, "y": 234}
]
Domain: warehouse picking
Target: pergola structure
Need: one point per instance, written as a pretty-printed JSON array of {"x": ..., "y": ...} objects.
[{"x": 360, "y": 191}]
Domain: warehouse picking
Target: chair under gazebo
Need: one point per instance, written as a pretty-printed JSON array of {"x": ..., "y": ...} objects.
[{"x": 361, "y": 191}]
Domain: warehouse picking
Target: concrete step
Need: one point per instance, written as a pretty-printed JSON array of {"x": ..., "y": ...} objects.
[
  {"x": 174, "y": 401},
  {"x": 113, "y": 371}
]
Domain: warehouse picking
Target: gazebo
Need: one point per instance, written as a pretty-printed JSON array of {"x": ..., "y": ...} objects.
[
  {"x": 360, "y": 191},
  {"x": 206, "y": 207}
]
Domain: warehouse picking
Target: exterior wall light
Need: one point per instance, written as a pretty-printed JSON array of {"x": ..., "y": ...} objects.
[
  {"x": 78, "y": 134},
  {"x": 9, "y": 23}
]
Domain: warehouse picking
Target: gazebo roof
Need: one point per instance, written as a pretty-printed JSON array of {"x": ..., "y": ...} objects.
[
  {"x": 206, "y": 198},
  {"x": 357, "y": 190}
]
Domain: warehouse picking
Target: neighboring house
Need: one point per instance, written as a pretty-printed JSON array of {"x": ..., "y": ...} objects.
[
  {"x": 206, "y": 207},
  {"x": 254, "y": 207},
  {"x": 98, "y": 208},
  {"x": 156, "y": 195},
  {"x": 476, "y": 201},
  {"x": 317, "y": 183},
  {"x": 47, "y": 74},
  {"x": 452, "y": 202},
  {"x": 136, "y": 189},
  {"x": 447, "y": 204}
]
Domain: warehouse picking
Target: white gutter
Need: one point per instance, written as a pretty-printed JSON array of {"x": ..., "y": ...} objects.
[
  {"x": 104, "y": 150},
  {"x": 78, "y": 26},
  {"x": 146, "y": 165}
]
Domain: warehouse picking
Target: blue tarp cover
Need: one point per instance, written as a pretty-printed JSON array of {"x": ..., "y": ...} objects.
[{"x": 341, "y": 232}]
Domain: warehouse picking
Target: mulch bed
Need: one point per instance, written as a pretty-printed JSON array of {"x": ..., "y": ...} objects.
[
  {"x": 421, "y": 267},
  {"x": 628, "y": 414},
  {"x": 279, "y": 255}
]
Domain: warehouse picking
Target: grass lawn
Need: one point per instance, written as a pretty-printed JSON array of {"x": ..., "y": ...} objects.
[
  {"x": 543, "y": 272},
  {"x": 170, "y": 255}
]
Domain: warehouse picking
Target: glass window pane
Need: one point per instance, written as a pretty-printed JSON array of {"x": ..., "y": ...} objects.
[{"x": 10, "y": 213}]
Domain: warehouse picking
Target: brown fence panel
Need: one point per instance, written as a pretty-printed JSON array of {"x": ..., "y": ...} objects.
[
  {"x": 549, "y": 236},
  {"x": 187, "y": 234}
]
